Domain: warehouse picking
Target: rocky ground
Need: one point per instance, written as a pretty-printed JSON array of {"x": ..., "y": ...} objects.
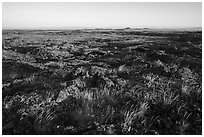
[{"x": 102, "y": 81}]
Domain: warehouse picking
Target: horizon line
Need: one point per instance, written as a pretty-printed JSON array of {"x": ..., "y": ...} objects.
[{"x": 78, "y": 27}]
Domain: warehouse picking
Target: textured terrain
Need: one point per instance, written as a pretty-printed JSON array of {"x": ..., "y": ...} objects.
[{"x": 116, "y": 81}]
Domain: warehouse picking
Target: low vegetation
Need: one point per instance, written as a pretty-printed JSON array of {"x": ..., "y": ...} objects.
[{"x": 102, "y": 82}]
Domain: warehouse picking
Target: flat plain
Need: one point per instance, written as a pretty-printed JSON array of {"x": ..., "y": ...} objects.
[{"x": 102, "y": 81}]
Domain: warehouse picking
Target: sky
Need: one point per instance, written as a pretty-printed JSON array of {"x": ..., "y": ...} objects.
[{"x": 53, "y": 15}]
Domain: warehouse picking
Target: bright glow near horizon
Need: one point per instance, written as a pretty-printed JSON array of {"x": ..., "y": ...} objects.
[{"x": 100, "y": 15}]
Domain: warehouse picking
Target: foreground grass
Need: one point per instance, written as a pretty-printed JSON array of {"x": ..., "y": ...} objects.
[{"x": 99, "y": 101}]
